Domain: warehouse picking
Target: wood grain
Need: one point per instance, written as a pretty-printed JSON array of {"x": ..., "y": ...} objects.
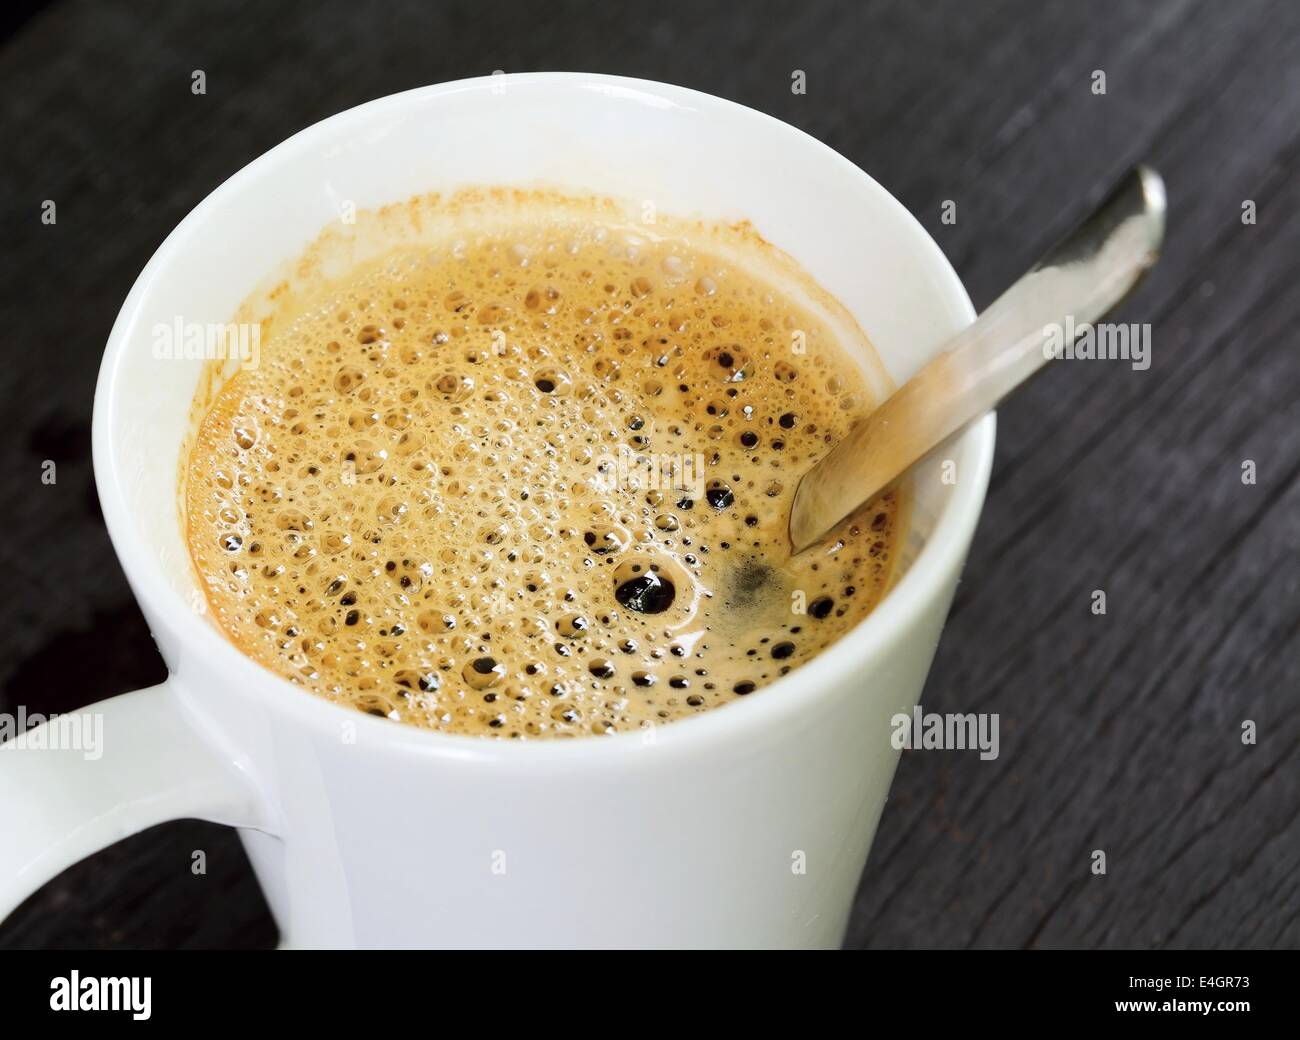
[{"x": 1119, "y": 732}]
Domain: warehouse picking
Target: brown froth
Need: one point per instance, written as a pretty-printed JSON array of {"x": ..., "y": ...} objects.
[{"x": 531, "y": 479}]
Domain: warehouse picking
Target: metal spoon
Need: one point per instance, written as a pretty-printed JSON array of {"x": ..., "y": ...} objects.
[{"x": 1075, "y": 285}]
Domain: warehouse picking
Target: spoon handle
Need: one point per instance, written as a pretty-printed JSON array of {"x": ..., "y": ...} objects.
[{"x": 1077, "y": 283}]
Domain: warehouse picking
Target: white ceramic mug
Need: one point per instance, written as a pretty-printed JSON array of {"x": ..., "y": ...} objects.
[{"x": 745, "y": 826}]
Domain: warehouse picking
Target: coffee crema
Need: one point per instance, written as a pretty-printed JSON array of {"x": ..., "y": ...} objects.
[{"x": 534, "y": 482}]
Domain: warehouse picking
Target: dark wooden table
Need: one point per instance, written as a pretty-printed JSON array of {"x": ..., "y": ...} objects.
[{"x": 1120, "y": 732}]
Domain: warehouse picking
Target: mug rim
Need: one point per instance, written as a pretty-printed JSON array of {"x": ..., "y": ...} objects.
[{"x": 888, "y": 621}]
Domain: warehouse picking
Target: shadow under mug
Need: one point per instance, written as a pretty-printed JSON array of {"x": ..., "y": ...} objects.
[{"x": 745, "y": 826}]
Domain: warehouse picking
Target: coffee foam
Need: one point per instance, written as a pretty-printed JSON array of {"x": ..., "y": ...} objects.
[{"x": 532, "y": 481}]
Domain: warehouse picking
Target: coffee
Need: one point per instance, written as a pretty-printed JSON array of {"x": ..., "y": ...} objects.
[{"x": 533, "y": 482}]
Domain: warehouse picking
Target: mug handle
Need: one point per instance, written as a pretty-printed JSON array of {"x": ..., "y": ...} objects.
[{"x": 59, "y": 804}]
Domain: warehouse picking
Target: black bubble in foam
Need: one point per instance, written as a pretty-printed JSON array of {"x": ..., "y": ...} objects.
[
  {"x": 719, "y": 495},
  {"x": 647, "y": 593}
]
